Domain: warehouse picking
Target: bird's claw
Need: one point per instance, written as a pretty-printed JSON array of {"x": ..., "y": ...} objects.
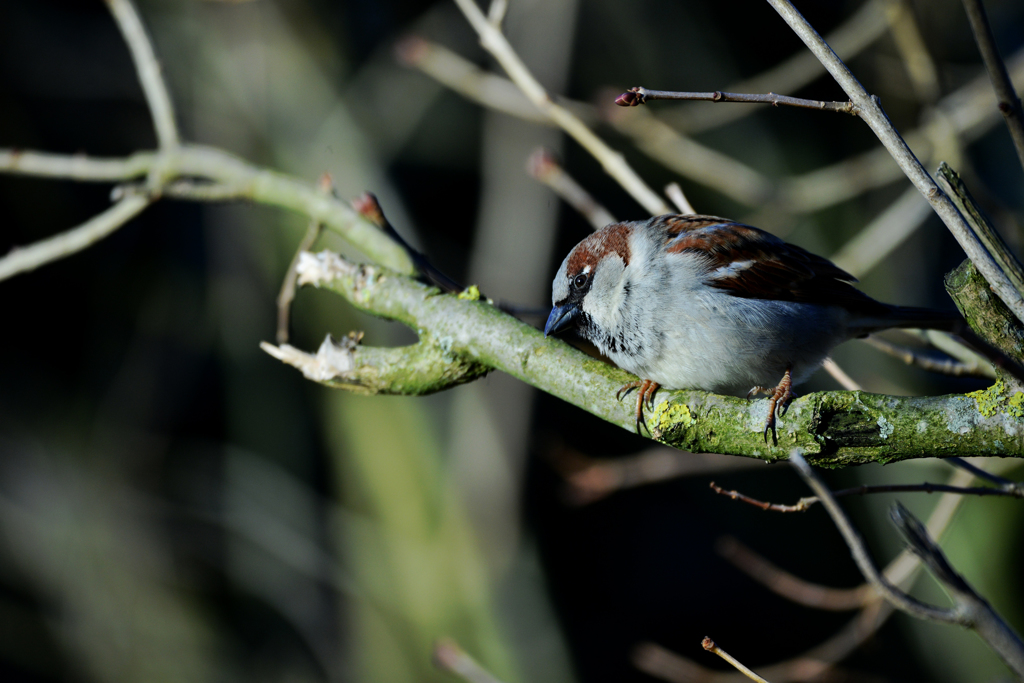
[
  {"x": 778, "y": 403},
  {"x": 647, "y": 388}
]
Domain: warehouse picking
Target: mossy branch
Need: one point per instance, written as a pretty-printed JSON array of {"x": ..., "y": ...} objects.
[{"x": 834, "y": 429}]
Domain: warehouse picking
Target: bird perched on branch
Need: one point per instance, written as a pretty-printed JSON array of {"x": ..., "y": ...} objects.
[{"x": 701, "y": 302}]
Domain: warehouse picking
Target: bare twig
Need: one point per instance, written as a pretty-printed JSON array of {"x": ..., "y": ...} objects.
[
  {"x": 1016, "y": 488},
  {"x": 839, "y": 375},
  {"x": 23, "y": 259},
  {"x": 791, "y": 587},
  {"x": 448, "y": 656},
  {"x": 685, "y": 156},
  {"x": 871, "y": 111},
  {"x": 805, "y": 504},
  {"x": 287, "y": 293},
  {"x": 467, "y": 79},
  {"x": 912, "y": 48},
  {"x": 1008, "y": 101},
  {"x": 496, "y": 12},
  {"x": 149, "y": 71},
  {"x": 494, "y": 41},
  {"x": 891, "y": 593},
  {"x": 811, "y": 664},
  {"x": 974, "y": 611},
  {"x": 235, "y": 178},
  {"x": 710, "y": 646},
  {"x": 808, "y": 666},
  {"x": 676, "y": 195},
  {"x": 859, "y": 31},
  {"x": 801, "y": 505},
  {"x": 886, "y": 232},
  {"x": 639, "y": 95},
  {"x": 543, "y": 166},
  {"x": 591, "y": 479},
  {"x": 948, "y": 366},
  {"x": 949, "y": 345}
]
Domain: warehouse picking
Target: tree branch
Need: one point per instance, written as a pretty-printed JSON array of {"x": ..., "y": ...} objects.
[
  {"x": 237, "y": 179},
  {"x": 494, "y": 41},
  {"x": 891, "y": 593},
  {"x": 24, "y": 259},
  {"x": 149, "y": 71},
  {"x": 870, "y": 110},
  {"x": 1008, "y": 101},
  {"x": 543, "y": 167},
  {"x": 947, "y": 366},
  {"x": 975, "y": 612},
  {"x": 970, "y": 609},
  {"x": 834, "y": 428}
]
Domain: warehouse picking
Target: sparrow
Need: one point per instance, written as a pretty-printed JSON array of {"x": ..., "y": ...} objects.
[{"x": 702, "y": 302}]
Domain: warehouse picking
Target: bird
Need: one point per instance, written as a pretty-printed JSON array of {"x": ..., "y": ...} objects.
[{"x": 703, "y": 302}]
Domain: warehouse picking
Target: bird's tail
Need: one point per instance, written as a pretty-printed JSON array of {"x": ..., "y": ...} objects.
[{"x": 926, "y": 319}]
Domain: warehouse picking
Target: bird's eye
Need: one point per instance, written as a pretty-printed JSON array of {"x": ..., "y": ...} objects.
[{"x": 580, "y": 281}]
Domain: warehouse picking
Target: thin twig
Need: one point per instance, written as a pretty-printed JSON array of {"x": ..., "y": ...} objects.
[
  {"x": 1008, "y": 101},
  {"x": 911, "y": 46},
  {"x": 234, "y": 179},
  {"x": 639, "y": 95},
  {"x": 710, "y": 646},
  {"x": 24, "y": 259},
  {"x": 690, "y": 159},
  {"x": 1014, "y": 487},
  {"x": 448, "y": 656},
  {"x": 676, "y": 195},
  {"x": 839, "y": 375},
  {"x": 948, "y": 366},
  {"x": 975, "y": 612},
  {"x": 891, "y": 593},
  {"x": 494, "y": 41},
  {"x": 809, "y": 665},
  {"x": 792, "y": 587},
  {"x": 859, "y": 31},
  {"x": 806, "y": 503},
  {"x": 871, "y": 111},
  {"x": 496, "y": 12},
  {"x": 802, "y": 505},
  {"x": 543, "y": 166},
  {"x": 888, "y": 230},
  {"x": 591, "y": 479},
  {"x": 149, "y": 71},
  {"x": 287, "y": 293}
]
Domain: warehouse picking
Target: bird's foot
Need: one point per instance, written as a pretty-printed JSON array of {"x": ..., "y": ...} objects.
[
  {"x": 778, "y": 402},
  {"x": 644, "y": 395}
]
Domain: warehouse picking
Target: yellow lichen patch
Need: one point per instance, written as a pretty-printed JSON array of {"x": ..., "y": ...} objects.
[
  {"x": 1015, "y": 405},
  {"x": 668, "y": 415},
  {"x": 994, "y": 400},
  {"x": 471, "y": 293}
]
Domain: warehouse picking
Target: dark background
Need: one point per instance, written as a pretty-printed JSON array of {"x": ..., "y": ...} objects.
[{"x": 177, "y": 505}]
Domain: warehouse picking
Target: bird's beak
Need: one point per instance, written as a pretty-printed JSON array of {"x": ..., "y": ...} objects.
[{"x": 561, "y": 318}]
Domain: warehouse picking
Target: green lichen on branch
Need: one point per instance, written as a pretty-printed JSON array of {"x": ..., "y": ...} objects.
[
  {"x": 833, "y": 428},
  {"x": 987, "y": 315},
  {"x": 413, "y": 370}
]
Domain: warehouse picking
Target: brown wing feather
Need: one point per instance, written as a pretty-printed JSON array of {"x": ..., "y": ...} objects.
[{"x": 752, "y": 263}]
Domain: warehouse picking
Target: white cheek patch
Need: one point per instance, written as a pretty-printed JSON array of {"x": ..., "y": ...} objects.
[{"x": 560, "y": 287}]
